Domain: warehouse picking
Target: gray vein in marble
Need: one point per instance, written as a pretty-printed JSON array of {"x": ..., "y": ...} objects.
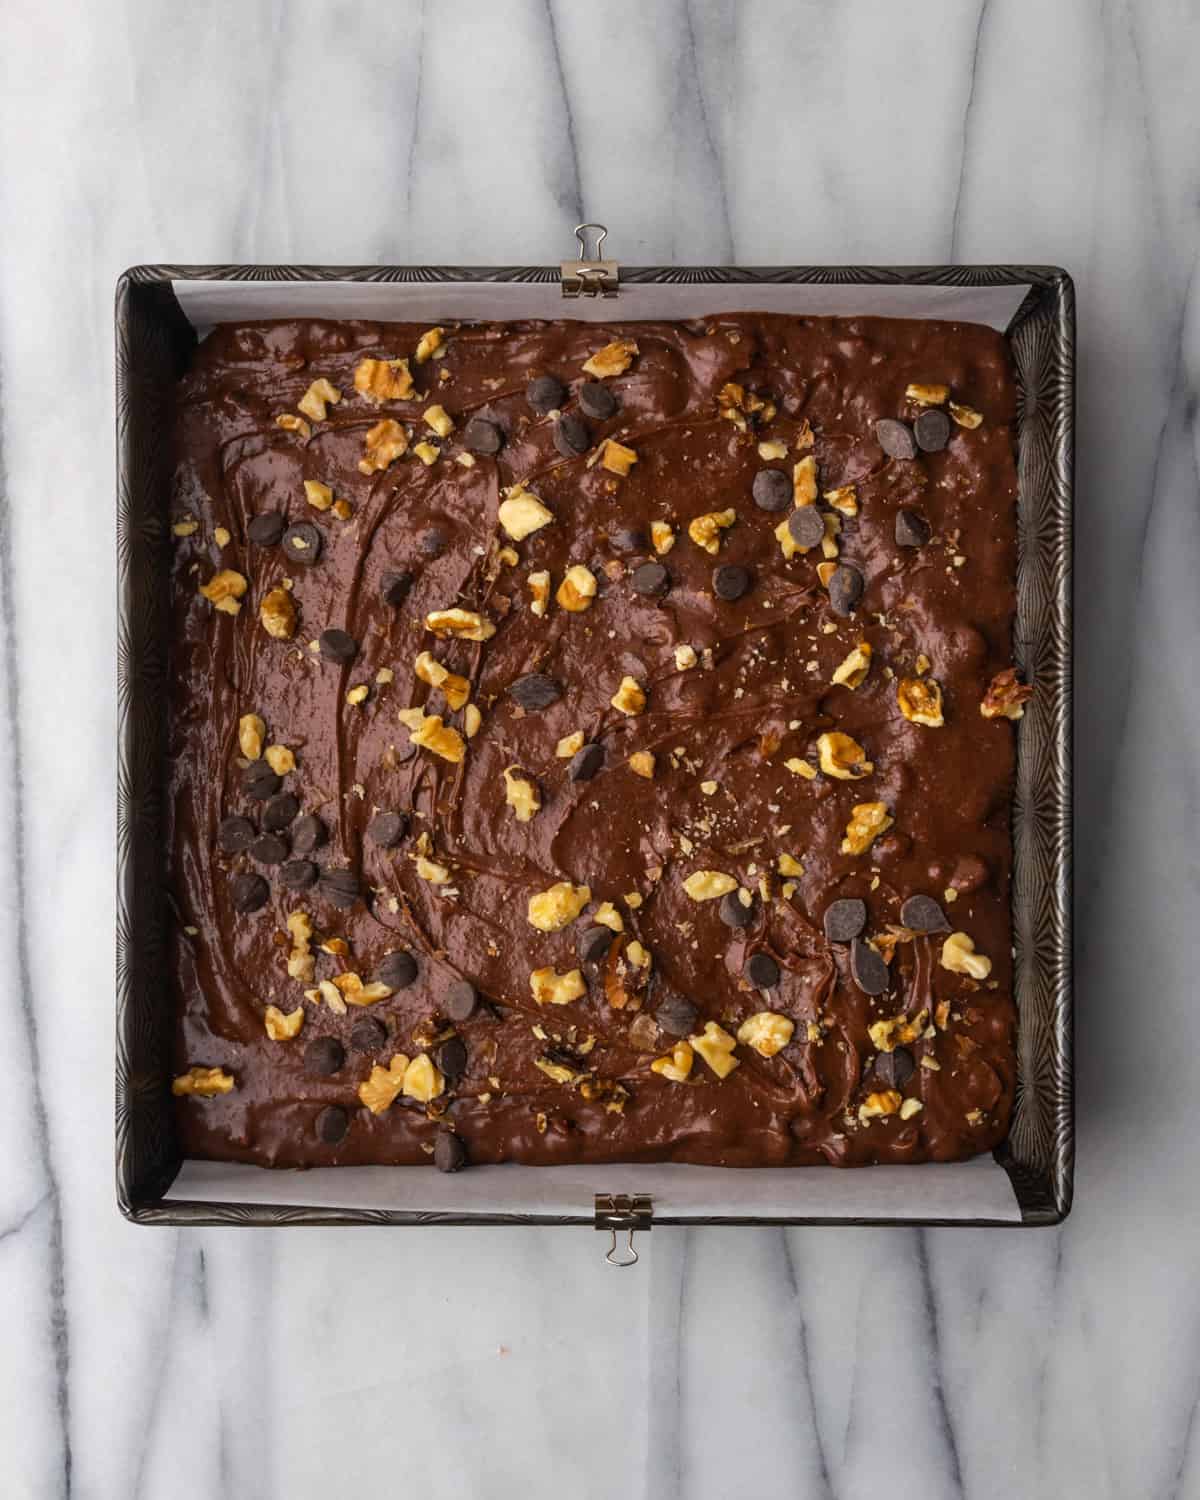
[
  {"x": 793, "y": 1285},
  {"x": 708, "y": 140},
  {"x": 966, "y": 132},
  {"x": 10, "y": 1231},
  {"x": 665, "y": 1452},
  {"x": 415, "y": 133},
  {"x": 937, "y": 1383},
  {"x": 568, "y": 193}
]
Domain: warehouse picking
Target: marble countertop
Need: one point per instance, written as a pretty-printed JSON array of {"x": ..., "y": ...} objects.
[{"x": 823, "y": 1362}]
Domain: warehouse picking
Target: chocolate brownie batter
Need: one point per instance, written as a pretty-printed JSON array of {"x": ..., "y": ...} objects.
[{"x": 643, "y": 764}]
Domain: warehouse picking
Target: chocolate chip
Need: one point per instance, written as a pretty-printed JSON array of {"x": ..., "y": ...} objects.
[
  {"x": 298, "y": 875},
  {"x": 806, "y": 526},
  {"x": 302, "y": 543},
  {"x": 868, "y": 968},
  {"x": 309, "y": 834},
  {"x": 338, "y": 646},
  {"x": 594, "y": 943},
  {"x": 912, "y": 530},
  {"x": 844, "y": 920},
  {"x": 394, "y": 588},
  {"x": 676, "y": 1015},
  {"x": 397, "y": 970},
  {"x": 259, "y": 781},
  {"x": 571, "y": 436},
  {"x": 762, "y": 971},
  {"x": 896, "y": 438},
  {"x": 449, "y": 1153},
  {"x": 626, "y": 540},
  {"x": 368, "y": 1035},
  {"x": 280, "y": 812},
  {"x": 332, "y": 1124},
  {"x": 323, "y": 1057},
  {"x": 483, "y": 437},
  {"x": 340, "y": 888},
  {"x": 234, "y": 834},
  {"x": 460, "y": 1001},
  {"x": 733, "y": 912},
  {"x": 586, "y": 761},
  {"x": 265, "y": 530},
  {"x": 845, "y": 589},
  {"x": 269, "y": 849},
  {"x": 932, "y": 430},
  {"x": 772, "y": 490},
  {"x": 248, "y": 892},
  {"x": 650, "y": 579},
  {"x": 545, "y": 393},
  {"x": 730, "y": 581},
  {"x": 597, "y": 401},
  {"x": 535, "y": 691},
  {"x": 923, "y": 914},
  {"x": 892, "y": 1070},
  {"x": 387, "y": 829},
  {"x": 432, "y": 542},
  {"x": 451, "y": 1059}
]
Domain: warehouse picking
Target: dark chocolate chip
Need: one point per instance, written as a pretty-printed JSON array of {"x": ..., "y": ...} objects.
[
  {"x": 896, "y": 438},
  {"x": 912, "y": 530},
  {"x": 626, "y": 540},
  {"x": 387, "y": 829},
  {"x": 483, "y": 437},
  {"x": 309, "y": 834},
  {"x": 571, "y": 436},
  {"x": 332, "y": 1124},
  {"x": 762, "y": 971},
  {"x": 676, "y": 1015},
  {"x": 338, "y": 646},
  {"x": 280, "y": 812},
  {"x": 586, "y": 761},
  {"x": 394, "y": 587},
  {"x": 449, "y": 1153},
  {"x": 266, "y": 530},
  {"x": 248, "y": 892},
  {"x": 368, "y": 1035},
  {"x": 432, "y": 542},
  {"x": 806, "y": 526},
  {"x": 923, "y": 914},
  {"x": 397, "y": 970},
  {"x": 845, "y": 920},
  {"x": 772, "y": 490},
  {"x": 868, "y": 968},
  {"x": 259, "y": 781},
  {"x": 234, "y": 834},
  {"x": 535, "y": 691},
  {"x": 932, "y": 430},
  {"x": 270, "y": 849},
  {"x": 298, "y": 875},
  {"x": 734, "y": 912},
  {"x": 451, "y": 1059},
  {"x": 323, "y": 1057},
  {"x": 650, "y": 579},
  {"x": 545, "y": 393},
  {"x": 594, "y": 943},
  {"x": 845, "y": 589},
  {"x": 460, "y": 1001},
  {"x": 302, "y": 543},
  {"x": 597, "y": 401},
  {"x": 340, "y": 888},
  {"x": 893, "y": 1069},
  {"x": 731, "y": 581}
]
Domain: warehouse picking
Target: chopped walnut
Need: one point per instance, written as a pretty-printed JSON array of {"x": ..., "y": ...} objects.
[
  {"x": 787, "y": 864},
  {"x": 422, "y": 1081},
  {"x": 204, "y": 1082},
  {"x": 920, "y": 700},
  {"x": 428, "y": 453},
  {"x": 802, "y": 768},
  {"x": 461, "y": 624},
  {"x": 897, "y": 1031},
  {"x": 885, "y": 1102},
  {"x": 251, "y": 733},
  {"x": 787, "y": 542},
  {"x": 430, "y": 871},
  {"x": 825, "y": 571},
  {"x": 927, "y": 395},
  {"x": 222, "y": 536},
  {"x": 706, "y": 530},
  {"x": 277, "y": 612},
  {"x": 521, "y": 794},
  {"x": 522, "y": 513},
  {"x": 456, "y": 689},
  {"x": 379, "y": 380},
  {"x": 641, "y": 763},
  {"x": 187, "y": 527},
  {"x": 569, "y": 744},
  {"x": 319, "y": 395},
  {"x": 558, "y": 1072},
  {"x": 223, "y": 591},
  {"x": 292, "y": 423},
  {"x": 630, "y": 697},
  {"x": 685, "y": 657},
  {"x": 773, "y": 449},
  {"x": 472, "y": 721},
  {"x": 552, "y": 910},
  {"x": 767, "y": 1032},
  {"x": 439, "y": 419},
  {"x": 318, "y": 495},
  {"x": 804, "y": 480},
  {"x": 355, "y": 992},
  {"x": 538, "y": 585},
  {"x": 577, "y": 590},
  {"x": 966, "y": 416},
  {"x": 428, "y": 344},
  {"x": 853, "y": 670},
  {"x": 867, "y": 822},
  {"x": 1006, "y": 696},
  {"x": 715, "y": 1046},
  {"x": 384, "y": 444},
  {"x": 281, "y": 1027},
  {"x": 383, "y": 1087},
  {"x": 909, "y": 1108},
  {"x": 843, "y": 757},
  {"x": 617, "y": 458},
  {"x": 280, "y": 759},
  {"x": 613, "y": 359},
  {"x": 677, "y": 1065},
  {"x": 428, "y": 731},
  {"x": 707, "y": 885},
  {"x": 959, "y": 956},
  {"x": 662, "y": 537},
  {"x": 301, "y": 962},
  {"x": 843, "y": 499},
  {"x": 551, "y": 988}
]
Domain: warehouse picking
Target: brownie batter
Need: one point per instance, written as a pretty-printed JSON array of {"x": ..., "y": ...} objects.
[{"x": 737, "y": 506}]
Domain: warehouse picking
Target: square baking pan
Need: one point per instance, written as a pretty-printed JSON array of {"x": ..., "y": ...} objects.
[{"x": 160, "y": 313}]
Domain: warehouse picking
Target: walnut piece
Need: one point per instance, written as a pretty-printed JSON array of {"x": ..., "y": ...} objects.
[
  {"x": 472, "y": 721},
  {"x": 629, "y": 698},
  {"x": 538, "y": 585},
  {"x": 428, "y": 344},
  {"x": 885, "y": 1102},
  {"x": 909, "y": 1108},
  {"x": 521, "y": 794},
  {"x": 613, "y": 359},
  {"x": 292, "y": 423},
  {"x": 223, "y": 590},
  {"x": 251, "y": 733},
  {"x": 617, "y": 458},
  {"x": 318, "y": 495},
  {"x": 314, "y": 401},
  {"x": 867, "y": 821},
  {"x": 897, "y": 1031},
  {"x": 1006, "y": 696},
  {"x": 552, "y": 910},
  {"x": 966, "y": 416},
  {"x": 927, "y": 395},
  {"x": 428, "y": 732},
  {"x": 685, "y": 657},
  {"x": 281, "y": 1027},
  {"x": 428, "y": 453},
  {"x": 843, "y": 499},
  {"x": 383, "y": 445},
  {"x": 843, "y": 757},
  {"x": 767, "y": 1032},
  {"x": 715, "y": 1046},
  {"x": 456, "y": 689},
  {"x": 802, "y": 768},
  {"x": 422, "y": 1081},
  {"x": 773, "y": 449},
  {"x": 662, "y": 537},
  {"x": 439, "y": 419},
  {"x": 707, "y": 885},
  {"x": 204, "y": 1082},
  {"x": 383, "y": 1087},
  {"x": 551, "y": 988},
  {"x": 677, "y": 1065},
  {"x": 641, "y": 763},
  {"x": 787, "y": 864},
  {"x": 301, "y": 962},
  {"x": 607, "y": 915},
  {"x": 277, "y": 612},
  {"x": 280, "y": 759},
  {"x": 920, "y": 700},
  {"x": 706, "y": 530},
  {"x": 522, "y": 513},
  {"x": 379, "y": 380},
  {"x": 959, "y": 956},
  {"x": 804, "y": 480},
  {"x": 577, "y": 590},
  {"x": 852, "y": 672},
  {"x": 461, "y": 624},
  {"x": 355, "y": 992}
]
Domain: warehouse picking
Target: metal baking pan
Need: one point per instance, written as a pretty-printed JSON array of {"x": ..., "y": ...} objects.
[{"x": 154, "y": 340}]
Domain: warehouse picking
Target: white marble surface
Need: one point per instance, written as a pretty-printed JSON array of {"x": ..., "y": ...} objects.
[{"x": 143, "y": 1363}]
